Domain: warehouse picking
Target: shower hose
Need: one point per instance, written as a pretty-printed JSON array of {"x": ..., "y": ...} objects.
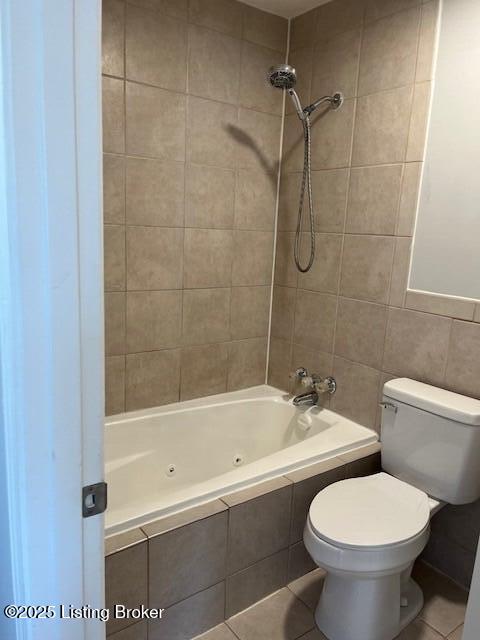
[{"x": 306, "y": 184}]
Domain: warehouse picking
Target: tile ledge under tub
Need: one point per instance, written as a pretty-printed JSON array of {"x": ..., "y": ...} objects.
[
  {"x": 362, "y": 452},
  {"x": 183, "y": 518},
  {"x": 121, "y": 541},
  {"x": 256, "y": 491},
  {"x": 315, "y": 469}
]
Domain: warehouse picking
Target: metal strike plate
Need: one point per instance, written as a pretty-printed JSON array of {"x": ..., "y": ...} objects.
[{"x": 94, "y": 499}]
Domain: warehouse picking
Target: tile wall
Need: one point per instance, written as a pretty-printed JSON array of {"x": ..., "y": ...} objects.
[
  {"x": 349, "y": 315},
  {"x": 191, "y": 147}
]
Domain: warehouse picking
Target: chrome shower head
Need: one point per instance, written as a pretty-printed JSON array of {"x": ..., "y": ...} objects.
[
  {"x": 285, "y": 77},
  {"x": 282, "y": 77}
]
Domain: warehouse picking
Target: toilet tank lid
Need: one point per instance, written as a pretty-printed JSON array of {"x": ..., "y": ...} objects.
[{"x": 440, "y": 402}]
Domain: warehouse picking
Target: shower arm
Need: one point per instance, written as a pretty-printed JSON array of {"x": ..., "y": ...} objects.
[{"x": 335, "y": 101}]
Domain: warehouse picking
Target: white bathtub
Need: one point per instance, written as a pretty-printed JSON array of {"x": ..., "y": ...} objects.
[{"x": 162, "y": 460}]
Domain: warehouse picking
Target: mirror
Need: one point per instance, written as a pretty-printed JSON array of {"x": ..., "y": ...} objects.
[{"x": 446, "y": 248}]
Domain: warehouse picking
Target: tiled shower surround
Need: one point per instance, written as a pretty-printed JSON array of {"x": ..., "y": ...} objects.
[
  {"x": 191, "y": 141},
  {"x": 191, "y": 137}
]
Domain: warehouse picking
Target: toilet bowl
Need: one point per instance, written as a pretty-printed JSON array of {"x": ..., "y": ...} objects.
[{"x": 366, "y": 533}]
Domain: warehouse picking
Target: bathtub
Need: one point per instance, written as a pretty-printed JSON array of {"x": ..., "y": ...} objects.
[{"x": 162, "y": 460}]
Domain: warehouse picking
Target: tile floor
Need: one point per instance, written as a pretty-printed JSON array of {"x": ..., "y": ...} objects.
[{"x": 288, "y": 614}]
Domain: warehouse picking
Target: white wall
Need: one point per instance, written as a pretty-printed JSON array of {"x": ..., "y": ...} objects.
[{"x": 446, "y": 254}]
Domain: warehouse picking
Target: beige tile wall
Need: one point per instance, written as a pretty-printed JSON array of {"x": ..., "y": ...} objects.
[
  {"x": 348, "y": 316},
  {"x": 191, "y": 141}
]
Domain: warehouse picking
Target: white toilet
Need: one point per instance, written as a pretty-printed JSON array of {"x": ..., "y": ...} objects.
[{"x": 367, "y": 532}]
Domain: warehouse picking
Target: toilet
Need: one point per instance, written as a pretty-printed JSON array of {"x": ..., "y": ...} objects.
[{"x": 367, "y": 532}]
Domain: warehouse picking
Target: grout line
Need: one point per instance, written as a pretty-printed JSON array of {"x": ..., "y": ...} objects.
[
  {"x": 347, "y": 196},
  {"x": 181, "y": 375},
  {"x": 187, "y": 20},
  {"x": 432, "y": 628},
  {"x": 340, "y": 270},
  {"x": 290, "y": 529},
  {"x": 225, "y": 622},
  {"x": 196, "y": 593},
  {"x": 358, "y": 363},
  {"x": 198, "y": 228},
  {"x": 395, "y": 253},
  {"x": 148, "y": 570},
  {"x": 235, "y": 104},
  {"x": 449, "y": 346},
  {"x": 263, "y": 558},
  {"x": 412, "y": 105},
  {"x": 418, "y": 6},
  {"x": 382, "y": 353},
  {"x": 286, "y": 286},
  {"x": 254, "y": 604},
  {"x": 403, "y": 177},
  {"x": 444, "y": 575},
  {"x": 361, "y": 53},
  {"x": 231, "y": 630},
  {"x": 277, "y": 204},
  {"x": 254, "y": 168},
  {"x": 227, "y": 552},
  {"x": 124, "y": 39},
  {"x": 343, "y": 167},
  {"x": 181, "y": 347},
  {"x": 456, "y": 629},
  {"x": 419, "y": 36},
  {"x": 234, "y": 235},
  {"x": 209, "y": 288}
]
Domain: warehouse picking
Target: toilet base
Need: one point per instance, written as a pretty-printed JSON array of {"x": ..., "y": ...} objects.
[
  {"x": 367, "y": 609},
  {"x": 414, "y": 596}
]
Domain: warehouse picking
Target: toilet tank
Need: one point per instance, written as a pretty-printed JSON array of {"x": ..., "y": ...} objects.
[{"x": 431, "y": 439}]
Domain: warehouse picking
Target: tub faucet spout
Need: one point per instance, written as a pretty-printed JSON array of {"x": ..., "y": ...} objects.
[{"x": 310, "y": 397}]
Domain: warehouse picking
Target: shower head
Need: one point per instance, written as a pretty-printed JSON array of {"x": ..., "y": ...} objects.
[
  {"x": 282, "y": 77},
  {"x": 285, "y": 77}
]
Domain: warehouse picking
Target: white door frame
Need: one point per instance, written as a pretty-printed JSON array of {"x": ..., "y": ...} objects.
[
  {"x": 51, "y": 312},
  {"x": 471, "y": 629}
]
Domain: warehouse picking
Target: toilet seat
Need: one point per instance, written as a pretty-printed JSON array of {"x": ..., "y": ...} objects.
[{"x": 371, "y": 513}]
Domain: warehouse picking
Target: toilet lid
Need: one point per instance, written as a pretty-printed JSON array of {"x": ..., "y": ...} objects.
[{"x": 374, "y": 511}]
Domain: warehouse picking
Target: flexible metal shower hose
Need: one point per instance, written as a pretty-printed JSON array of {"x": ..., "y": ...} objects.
[{"x": 306, "y": 182}]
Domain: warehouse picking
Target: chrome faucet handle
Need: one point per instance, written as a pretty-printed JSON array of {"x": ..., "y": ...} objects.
[
  {"x": 325, "y": 385},
  {"x": 299, "y": 374}
]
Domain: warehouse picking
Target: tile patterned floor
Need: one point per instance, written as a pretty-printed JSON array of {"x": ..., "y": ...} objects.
[{"x": 288, "y": 614}]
